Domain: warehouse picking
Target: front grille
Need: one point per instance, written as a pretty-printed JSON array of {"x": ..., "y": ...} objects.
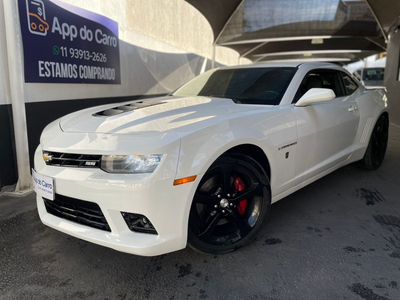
[
  {"x": 82, "y": 212},
  {"x": 71, "y": 160}
]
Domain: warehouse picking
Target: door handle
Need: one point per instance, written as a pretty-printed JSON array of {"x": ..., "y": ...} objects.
[{"x": 353, "y": 109}]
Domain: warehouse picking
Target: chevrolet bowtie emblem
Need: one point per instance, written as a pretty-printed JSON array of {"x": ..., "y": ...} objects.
[{"x": 47, "y": 157}]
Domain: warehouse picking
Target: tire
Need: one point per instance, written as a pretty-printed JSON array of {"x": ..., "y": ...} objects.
[
  {"x": 230, "y": 205},
  {"x": 377, "y": 145}
]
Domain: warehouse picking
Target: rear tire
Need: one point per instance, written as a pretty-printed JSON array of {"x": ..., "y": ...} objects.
[
  {"x": 377, "y": 145},
  {"x": 230, "y": 205}
]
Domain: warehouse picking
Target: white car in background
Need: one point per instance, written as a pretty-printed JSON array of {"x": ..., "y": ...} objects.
[
  {"x": 204, "y": 164},
  {"x": 371, "y": 77}
]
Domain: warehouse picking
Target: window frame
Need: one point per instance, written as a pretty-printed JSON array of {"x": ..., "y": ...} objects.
[
  {"x": 322, "y": 70},
  {"x": 272, "y": 68},
  {"x": 354, "y": 82}
]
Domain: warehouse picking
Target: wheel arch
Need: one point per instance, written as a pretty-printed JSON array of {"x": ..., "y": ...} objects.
[
  {"x": 362, "y": 146},
  {"x": 249, "y": 147},
  {"x": 386, "y": 114},
  {"x": 371, "y": 161},
  {"x": 254, "y": 152},
  {"x": 198, "y": 154},
  {"x": 382, "y": 113}
]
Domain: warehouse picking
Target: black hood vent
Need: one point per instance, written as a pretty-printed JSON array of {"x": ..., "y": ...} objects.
[{"x": 124, "y": 108}]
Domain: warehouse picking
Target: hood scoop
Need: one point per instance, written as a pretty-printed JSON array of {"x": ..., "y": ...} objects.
[{"x": 125, "y": 108}]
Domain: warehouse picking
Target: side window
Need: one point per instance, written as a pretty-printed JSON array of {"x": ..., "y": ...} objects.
[
  {"x": 320, "y": 78},
  {"x": 349, "y": 84}
]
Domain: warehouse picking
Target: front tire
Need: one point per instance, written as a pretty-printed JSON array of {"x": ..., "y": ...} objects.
[
  {"x": 377, "y": 145},
  {"x": 230, "y": 205}
]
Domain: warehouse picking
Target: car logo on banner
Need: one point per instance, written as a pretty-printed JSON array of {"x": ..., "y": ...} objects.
[{"x": 36, "y": 17}]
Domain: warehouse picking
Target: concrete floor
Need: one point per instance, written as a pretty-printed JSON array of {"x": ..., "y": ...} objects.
[{"x": 338, "y": 238}]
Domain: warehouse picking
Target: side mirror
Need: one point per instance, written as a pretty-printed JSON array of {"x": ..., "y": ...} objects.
[{"x": 316, "y": 96}]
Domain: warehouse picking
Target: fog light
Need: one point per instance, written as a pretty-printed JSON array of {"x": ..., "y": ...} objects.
[{"x": 138, "y": 223}]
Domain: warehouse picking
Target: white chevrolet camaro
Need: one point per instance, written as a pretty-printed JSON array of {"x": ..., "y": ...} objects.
[{"x": 203, "y": 165}]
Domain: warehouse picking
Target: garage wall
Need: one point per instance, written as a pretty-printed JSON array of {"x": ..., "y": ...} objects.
[
  {"x": 391, "y": 77},
  {"x": 162, "y": 45}
]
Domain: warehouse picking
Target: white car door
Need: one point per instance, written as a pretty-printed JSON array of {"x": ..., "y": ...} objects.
[{"x": 326, "y": 131}]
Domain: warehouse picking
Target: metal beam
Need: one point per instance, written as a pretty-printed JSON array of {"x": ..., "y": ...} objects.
[
  {"x": 379, "y": 23},
  {"x": 252, "y": 49},
  {"x": 311, "y": 52},
  {"x": 376, "y": 43},
  {"x": 293, "y": 38},
  {"x": 319, "y": 59}
]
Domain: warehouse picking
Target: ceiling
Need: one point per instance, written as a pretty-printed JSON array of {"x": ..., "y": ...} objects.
[{"x": 319, "y": 30}]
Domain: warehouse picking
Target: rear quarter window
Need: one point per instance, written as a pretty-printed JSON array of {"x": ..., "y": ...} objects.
[{"x": 350, "y": 85}]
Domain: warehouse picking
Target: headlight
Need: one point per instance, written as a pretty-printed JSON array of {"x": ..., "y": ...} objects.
[{"x": 130, "y": 163}]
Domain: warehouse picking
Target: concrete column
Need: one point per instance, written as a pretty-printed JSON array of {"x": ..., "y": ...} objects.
[
  {"x": 392, "y": 72},
  {"x": 16, "y": 71}
]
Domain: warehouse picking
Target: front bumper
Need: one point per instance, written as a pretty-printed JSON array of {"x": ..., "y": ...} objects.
[{"x": 152, "y": 195}]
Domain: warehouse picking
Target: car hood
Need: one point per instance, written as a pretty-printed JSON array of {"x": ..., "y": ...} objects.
[{"x": 156, "y": 115}]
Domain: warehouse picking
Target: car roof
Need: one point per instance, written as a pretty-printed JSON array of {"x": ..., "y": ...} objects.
[{"x": 282, "y": 65}]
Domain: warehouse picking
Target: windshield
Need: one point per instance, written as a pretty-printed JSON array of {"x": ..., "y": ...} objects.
[
  {"x": 373, "y": 74},
  {"x": 248, "y": 86}
]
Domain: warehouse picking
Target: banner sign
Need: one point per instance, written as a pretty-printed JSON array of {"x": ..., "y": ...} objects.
[{"x": 67, "y": 44}]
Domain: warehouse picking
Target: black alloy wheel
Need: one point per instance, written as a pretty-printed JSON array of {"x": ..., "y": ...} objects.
[
  {"x": 231, "y": 204},
  {"x": 377, "y": 145}
]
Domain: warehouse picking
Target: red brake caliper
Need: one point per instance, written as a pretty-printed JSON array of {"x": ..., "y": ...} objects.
[{"x": 239, "y": 187}]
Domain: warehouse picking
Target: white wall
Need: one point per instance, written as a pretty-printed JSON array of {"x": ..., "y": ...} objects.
[
  {"x": 376, "y": 63},
  {"x": 154, "y": 68},
  {"x": 175, "y": 22},
  {"x": 369, "y": 62},
  {"x": 162, "y": 45}
]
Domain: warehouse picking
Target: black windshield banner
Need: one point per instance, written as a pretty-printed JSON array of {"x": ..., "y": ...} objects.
[{"x": 66, "y": 44}]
